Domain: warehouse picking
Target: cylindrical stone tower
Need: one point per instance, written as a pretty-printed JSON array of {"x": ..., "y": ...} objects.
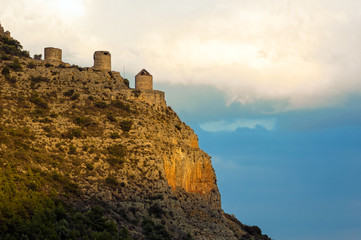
[
  {"x": 52, "y": 54},
  {"x": 143, "y": 80},
  {"x": 102, "y": 61}
]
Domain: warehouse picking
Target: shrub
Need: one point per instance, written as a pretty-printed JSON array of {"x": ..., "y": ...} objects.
[
  {"x": 36, "y": 80},
  {"x": 120, "y": 105},
  {"x": 72, "y": 149},
  {"x": 69, "y": 93},
  {"x": 113, "y": 161},
  {"x": 154, "y": 231},
  {"x": 178, "y": 127},
  {"x": 53, "y": 115},
  {"x": 71, "y": 133},
  {"x": 83, "y": 121},
  {"x": 12, "y": 47},
  {"x": 117, "y": 150},
  {"x": 5, "y": 57},
  {"x": 5, "y": 71},
  {"x": 37, "y": 56},
  {"x": 75, "y": 96},
  {"x": 114, "y": 135},
  {"x": 156, "y": 210},
  {"x": 101, "y": 104},
  {"x": 89, "y": 166},
  {"x": 111, "y": 180},
  {"x": 11, "y": 80},
  {"x": 126, "y": 125},
  {"x": 111, "y": 117},
  {"x": 47, "y": 65},
  {"x": 31, "y": 65},
  {"x": 47, "y": 128},
  {"x": 252, "y": 230},
  {"x": 15, "y": 65},
  {"x": 136, "y": 93},
  {"x": 38, "y": 101}
]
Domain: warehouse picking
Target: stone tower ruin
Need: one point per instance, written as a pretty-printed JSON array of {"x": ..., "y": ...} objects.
[
  {"x": 4, "y": 33},
  {"x": 52, "y": 54},
  {"x": 143, "y": 80},
  {"x": 102, "y": 61},
  {"x": 1, "y": 30}
]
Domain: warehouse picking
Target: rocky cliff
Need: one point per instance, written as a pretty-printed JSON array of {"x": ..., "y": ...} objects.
[{"x": 83, "y": 156}]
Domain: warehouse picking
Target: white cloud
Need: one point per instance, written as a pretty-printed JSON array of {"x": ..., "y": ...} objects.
[
  {"x": 306, "y": 53},
  {"x": 226, "y": 126}
]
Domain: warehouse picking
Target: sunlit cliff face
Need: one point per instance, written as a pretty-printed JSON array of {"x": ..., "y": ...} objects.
[
  {"x": 189, "y": 168},
  {"x": 191, "y": 171}
]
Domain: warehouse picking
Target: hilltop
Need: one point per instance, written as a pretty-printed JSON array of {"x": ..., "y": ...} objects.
[{"x": 83, "y": 156}]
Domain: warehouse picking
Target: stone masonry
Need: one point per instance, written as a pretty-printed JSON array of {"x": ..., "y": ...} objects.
[
  {"x": 52, "y": 54},
  {"x": 102, "y": 61},
  {"x": 144, "y": 80}
]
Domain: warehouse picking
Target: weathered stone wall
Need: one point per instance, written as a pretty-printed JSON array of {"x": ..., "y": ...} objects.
[
  {"x": 52, "y": 54},
  {"x": 143, "y": 81},
  {"x": 102, "y": 61},
  {"x": 152, "y": 97}
]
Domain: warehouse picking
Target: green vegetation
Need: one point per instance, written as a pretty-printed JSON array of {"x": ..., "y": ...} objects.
[
  {"x": 126, "y": 125},
  {"x": 5, "y": 71},
  {"x": 112, "y": 181},
  {"x": 136, "y": 93},
  {"x": 29, "y": 208},
  {"x": 12, "y": 47},
  {"x": 53, "y": 220},
  {"x": 101, "y": 104},
  {"x": 37, "y": 56},
  {"x": 75, "y": 96},
  {"x": 73, "y": 133},
  {"x": 72, "y": 149},
  {"x": 154, "y": 231},
  {"x": 111, "y": 117},
  {"x": 35, "y": 81},
  {"x": 117, "y": 153},
  {"x": 89, "y": 166},
  {"x": 39, "y": 101},
  {"x": 15, "y": 65},
  {"x": 83, "y": 121},
  {"x": 114, "y": 135},
  {"x": 69, "y": 93},
  {"x": 121, "y": 105},
  {"x": 31, "y": 65},
  {"x": 117, "y": 150},
  {"x": 156, "y": 210}
]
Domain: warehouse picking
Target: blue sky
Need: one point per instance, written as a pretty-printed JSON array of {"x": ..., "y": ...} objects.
[
  {"x": 299, "y": 180},
  {"x": 272, "y": 88}
]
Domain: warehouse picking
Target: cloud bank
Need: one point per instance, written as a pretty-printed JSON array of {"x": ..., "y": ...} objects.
[
  {"x": 225, "y": 126},
  {"x": 303, "y": 53}
]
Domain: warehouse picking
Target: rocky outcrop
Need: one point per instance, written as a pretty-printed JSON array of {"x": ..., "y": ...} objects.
[{"x": 101, "y": 143}]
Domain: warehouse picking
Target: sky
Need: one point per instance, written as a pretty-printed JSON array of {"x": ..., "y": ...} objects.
[{"x": 272, "y": 89}]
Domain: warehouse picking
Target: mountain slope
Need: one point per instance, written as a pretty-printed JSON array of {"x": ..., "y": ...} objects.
[{"x": 82, "y": 156}]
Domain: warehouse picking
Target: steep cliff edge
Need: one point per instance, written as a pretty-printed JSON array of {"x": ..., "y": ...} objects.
[{"x": 82, "y": 156}]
